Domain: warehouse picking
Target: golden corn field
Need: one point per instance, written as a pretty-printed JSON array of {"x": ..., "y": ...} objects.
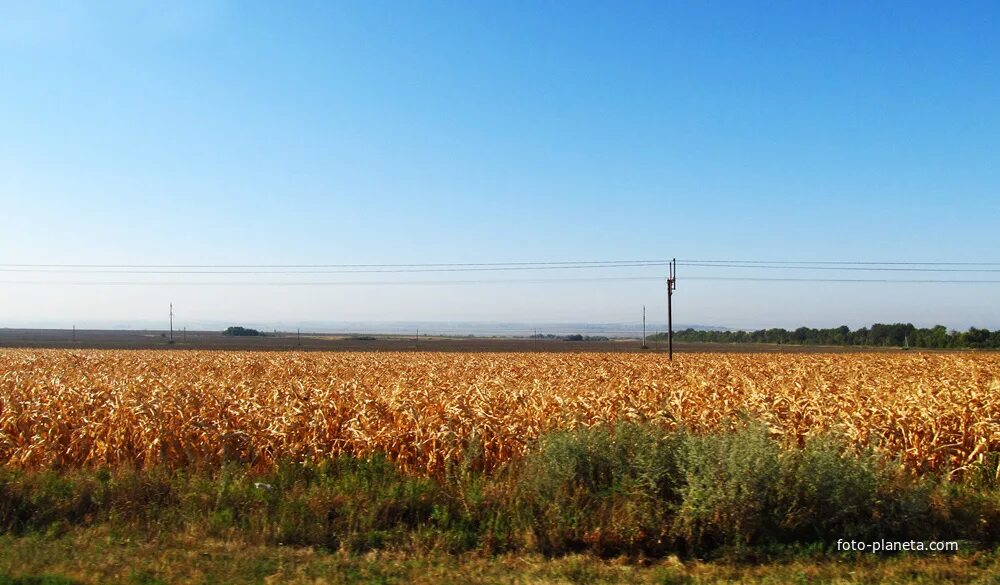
[{"x": 65, "y": 408}]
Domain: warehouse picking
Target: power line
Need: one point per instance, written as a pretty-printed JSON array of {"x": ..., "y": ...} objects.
[
  {"x": 329, "y": 283},
  {"x": 881, "y": 280},
  {"x": 843, "y": 262},
  {"x": 279, "y": 266},
  {"x": 311, "y": 269},
  {"x": 505, "y": 265},
  {"x": 360, "y": 269},
  {"x": 492, "y": 281},
  {"x": 756, "y": 266}
]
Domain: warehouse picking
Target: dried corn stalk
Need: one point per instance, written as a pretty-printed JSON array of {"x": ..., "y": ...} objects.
[{"x": 86, "y": 408}]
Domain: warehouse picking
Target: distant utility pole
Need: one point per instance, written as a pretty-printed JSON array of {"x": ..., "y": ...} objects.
[
  {"x": 74, "y": 333},
  {"x": 671, "y": 285},
  {"x": 298, "y": 337},
  {"x": 416, "y": 343},
  {"x": 171, "y": 322},
  {"x": 185, "y": 334},
  {"x": 644, "y": 327}
]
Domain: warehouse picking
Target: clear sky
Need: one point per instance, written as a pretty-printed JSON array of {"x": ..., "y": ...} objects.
[{"x": 424, "y": 132}]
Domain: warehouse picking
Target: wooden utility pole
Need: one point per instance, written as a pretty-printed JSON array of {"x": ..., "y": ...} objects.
[
  {"x": 171, "y": 322},
  {"x": 644, "y": 327},
  {"x": 671, "y": 285},
  {"x": 298, "y": 337},
  {"x": 74, "y": 333}
]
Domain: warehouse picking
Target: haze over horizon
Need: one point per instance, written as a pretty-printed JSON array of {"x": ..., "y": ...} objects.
[{"x": 216, "y": 136}]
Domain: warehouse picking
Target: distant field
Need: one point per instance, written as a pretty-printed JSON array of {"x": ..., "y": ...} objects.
[
  {"x": 117, "y": 339},
  {"x": 62, "y": 408}
]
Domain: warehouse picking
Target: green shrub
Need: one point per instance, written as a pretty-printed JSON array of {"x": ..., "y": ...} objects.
[
  {"x": 825, "y": 492},
  {"x": 605, "y": 489},
  {"x": 729, "y": 489},
  {"x": 138, "y": 495},
  {"x": 35, "y": 580},
  {"x": 45, "y": 500},
  {"x": 358, "y": 504},
  {"x": 630, "y": 489},
  {"x": 743, "y": 489}
]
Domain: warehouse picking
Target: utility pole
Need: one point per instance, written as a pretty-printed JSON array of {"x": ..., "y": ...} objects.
[
  {"x": 171, "y": 322},
  {"x": 671, "y": 285},
  {"x": 185, "y": 334},
  {"x": 74, "y": 333},
  {"x": 298, "y": 337},
  {"x": 416, "y": 342},
  {"x": 644, "y": 327}
]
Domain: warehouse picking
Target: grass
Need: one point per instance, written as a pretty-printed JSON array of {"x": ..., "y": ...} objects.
[
  {"x": 96, "y": 555},
  {"x": 596, "y": 505}
]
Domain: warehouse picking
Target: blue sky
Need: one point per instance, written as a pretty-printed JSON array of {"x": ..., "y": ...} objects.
[{"x": 328, "y": 132}]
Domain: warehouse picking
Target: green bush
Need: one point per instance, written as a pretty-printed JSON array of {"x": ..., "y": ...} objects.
[
  {"x": 45, "y": 501},
  {"x": 358, "y": 504},
  {"x": 629, "y": 489},
  {"x": 729, "y": 490},
  {"x": 605, "y": 489},
  {"x": 824, "y": 492},
  {"x": 35, "y": 580},
  {"x": 743, "y": 490}
]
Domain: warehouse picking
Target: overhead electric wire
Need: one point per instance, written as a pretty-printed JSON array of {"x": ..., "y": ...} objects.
[
  {"x": 879, "y": 280},
  {"x": 361, "y": 271},
  {"x": 499, "y": 265},
  {"x": 280, "y": 266},
  {"x": 483, "y": 267},
  {"x": 840, "y": 262},
  {"x": 480, "y": 267},
  {"x": 490, "y": 281},
  {"x": 842, "y": 268}
]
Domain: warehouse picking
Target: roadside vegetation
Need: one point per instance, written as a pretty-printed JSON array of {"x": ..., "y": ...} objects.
[{"x": 630, "y": 492}]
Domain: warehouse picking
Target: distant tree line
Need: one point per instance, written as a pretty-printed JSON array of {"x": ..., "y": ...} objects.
[
  {"x": 574, "y": 337},
  {"x": 242, "y": 332},
  {"x": 879, "y": 334}
]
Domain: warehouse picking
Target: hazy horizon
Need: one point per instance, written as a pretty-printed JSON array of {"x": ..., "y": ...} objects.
[{"x": 481, "y": 328}]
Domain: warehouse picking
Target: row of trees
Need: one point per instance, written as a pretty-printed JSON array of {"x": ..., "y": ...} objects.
[
  {"x": 242, "y": 332},
  {"x": 891, "y": 335}
]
